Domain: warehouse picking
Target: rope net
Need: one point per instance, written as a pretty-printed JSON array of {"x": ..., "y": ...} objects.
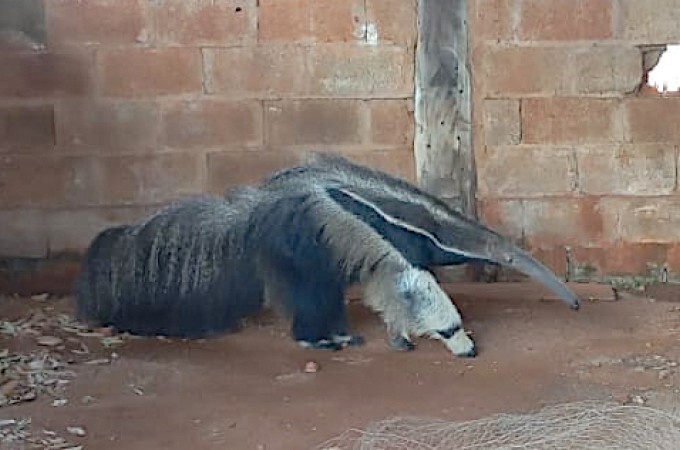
[{"x": 588, "y": 425}]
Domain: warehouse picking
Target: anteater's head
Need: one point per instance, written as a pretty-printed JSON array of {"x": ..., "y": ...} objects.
[{"x": 432, "y": 313}]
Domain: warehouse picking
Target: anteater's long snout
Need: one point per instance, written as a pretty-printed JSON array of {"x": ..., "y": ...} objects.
[{"x": 528, "y": 265}]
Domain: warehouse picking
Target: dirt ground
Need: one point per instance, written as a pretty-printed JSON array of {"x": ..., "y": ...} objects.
[{"x": 248, "y": 390}]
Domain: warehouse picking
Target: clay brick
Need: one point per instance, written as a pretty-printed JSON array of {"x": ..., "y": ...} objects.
[
  {"x": 212, "y": 123},
  {"x": 673, "y": 258},
  {"x": 653, "y": 119},
  {"x": 26, "y": 127},
  {"x": 394, "y": 21},
  {"x": 650, "y": 21},
  {"x": 622, "y": 259},
  {"x": 554, "y": 258},
  {"x": 525, "y": 172},
  {"x": 262, "y": 71},
  {"x": 502, "y": 122},
  {"x": 569, "y": 121},
  {"x": 26, "y": 75},
  {"x": 330, "y": 70},
  {"x": 149, "y": 179},
  {"x": 151, "y": 72},
  {"x": 78, "y": 22},
  {"x": 565, "y": 20},
  {"x": 564, "y": 222},
  {"x": 36, "y": 276},
  {"x": 560, "y": 71},
  {"x": 627, "y": 170},
  {"x": 205, "y": 22},
  {"x": 491, "y": 19},
  {"x": 503, "y": 216},
  {"x": 368, "y": 71},
  {"x": 589, "y": 262},
  {"x": 72, "y": 230},
  {"x": 24, "y": 234},
  {"x": 100, "y": 125},
  {"x": 230, "y": 169},
  {"x": 398, "y": 162},
  {"x": 655, "y": 219},
  {"x": 392, "y": 122},
  {"x": 45, "y": 180},
  {"x": 310, "y": 20},
  {"x": 634, "y": 258},
  {"x": 313, "y": 122}
]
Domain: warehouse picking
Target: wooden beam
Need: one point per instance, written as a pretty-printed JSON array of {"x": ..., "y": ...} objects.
[{"x": 443, "y": 143}]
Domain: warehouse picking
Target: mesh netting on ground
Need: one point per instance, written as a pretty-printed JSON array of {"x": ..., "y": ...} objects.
[{"x": 589, "y": 425}]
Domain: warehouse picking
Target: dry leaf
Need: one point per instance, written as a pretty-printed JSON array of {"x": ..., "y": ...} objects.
[
  {"x": 95, "y": 362},
  {"x": 312, "y": 367},
  {"x": 8, "y": 388},
  {"x": 49, "y": 341},
  {"x": 77, "y": 431}
]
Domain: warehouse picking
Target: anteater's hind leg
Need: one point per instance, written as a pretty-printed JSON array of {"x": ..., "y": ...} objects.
[
  {"x": 319, "y": 314},
  {"x": 339, "y": 327},
  {"x": 304, "y": 270},
  {"x": 315, "y": 304}
]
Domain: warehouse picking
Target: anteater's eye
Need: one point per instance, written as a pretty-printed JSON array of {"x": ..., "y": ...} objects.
[{"x": 449, "y": 332}]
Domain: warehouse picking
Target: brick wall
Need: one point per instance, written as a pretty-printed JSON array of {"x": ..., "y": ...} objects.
[
  {"x": 111, "y": 107},
  {"x": 569, "y": 150}
]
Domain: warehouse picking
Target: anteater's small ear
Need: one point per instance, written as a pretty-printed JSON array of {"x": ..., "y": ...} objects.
[{"x": 404, "y": 288}]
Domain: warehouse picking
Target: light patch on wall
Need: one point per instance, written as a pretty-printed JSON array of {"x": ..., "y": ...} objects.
[
  {"x": 370, "y": 34},
  {"x": 665, "y": 77}
]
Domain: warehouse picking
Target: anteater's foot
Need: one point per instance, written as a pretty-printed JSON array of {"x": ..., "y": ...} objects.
[
  {"x": 321, "y": 344},
  {"x": 348, "y": 340},
  {"x": 402, "y": 344}
]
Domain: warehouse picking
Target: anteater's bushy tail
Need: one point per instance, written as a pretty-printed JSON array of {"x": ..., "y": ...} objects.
[{"x": 182, "y": 272}]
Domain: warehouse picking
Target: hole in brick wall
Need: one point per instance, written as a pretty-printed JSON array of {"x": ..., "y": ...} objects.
[
  {"x": 664, "y": 76},
  {"x": 238, "y": 9}
]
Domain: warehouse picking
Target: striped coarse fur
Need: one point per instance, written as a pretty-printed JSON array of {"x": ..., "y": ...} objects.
[{"x": 183, "y": 271}]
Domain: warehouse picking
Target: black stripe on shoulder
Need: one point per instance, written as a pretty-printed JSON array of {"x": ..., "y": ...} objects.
[{"x": 412, "y": 214}]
